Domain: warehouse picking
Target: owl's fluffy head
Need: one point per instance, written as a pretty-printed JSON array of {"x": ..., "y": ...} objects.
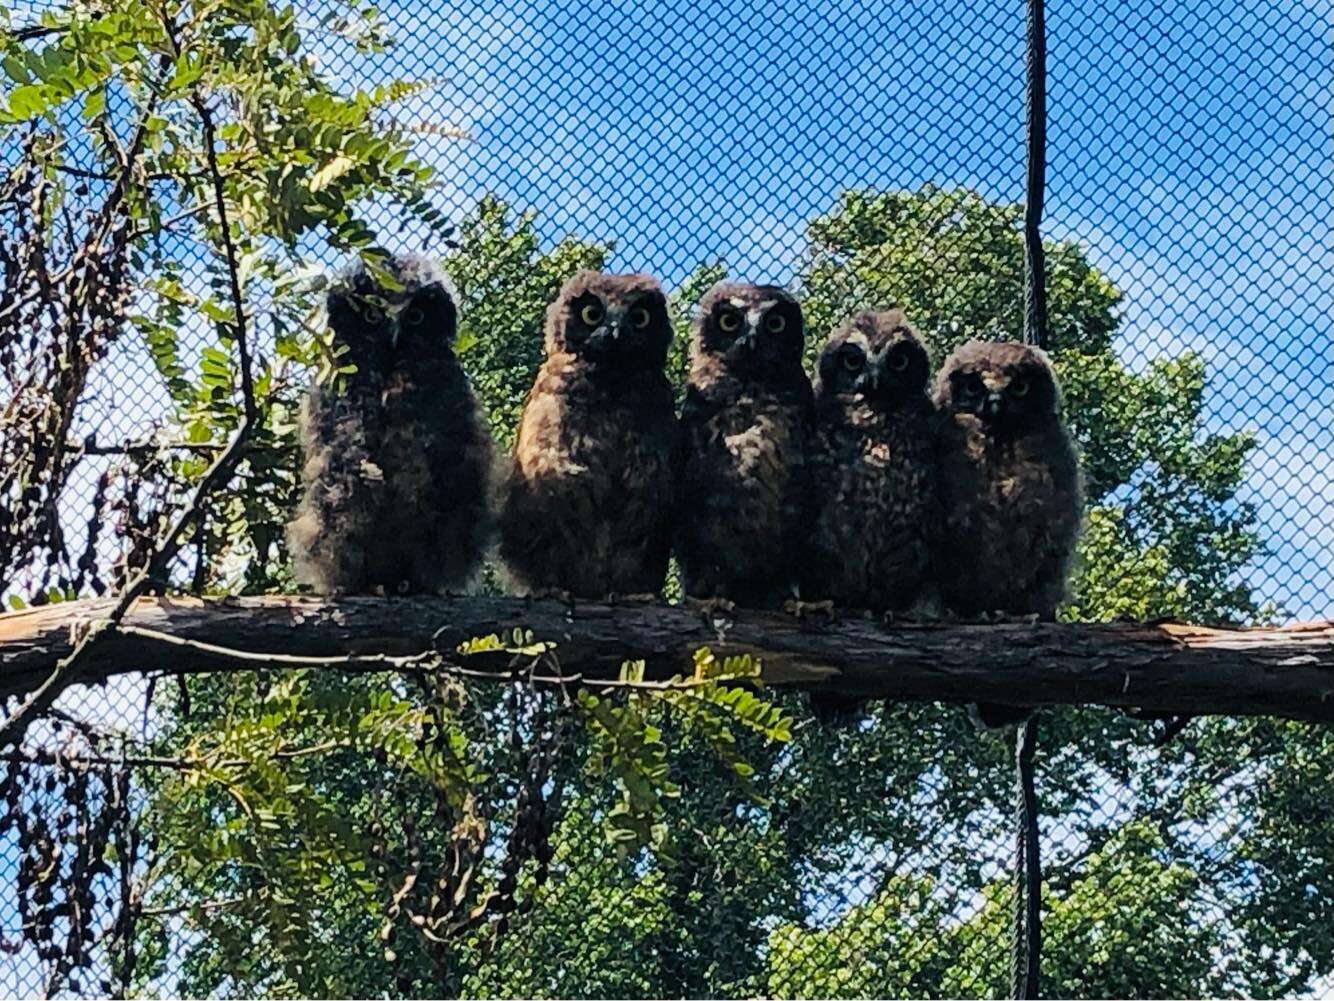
[
  {"x": 877, "y": 357},
  {"x": 1008, "y": 386},
  {"x": 754, "y": 332},
  {"x": 375, "y": 320},
  {"x": 610, "y": 321}
]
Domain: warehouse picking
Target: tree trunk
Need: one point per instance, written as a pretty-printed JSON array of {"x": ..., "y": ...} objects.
[{"x": 1164, "y": 667}]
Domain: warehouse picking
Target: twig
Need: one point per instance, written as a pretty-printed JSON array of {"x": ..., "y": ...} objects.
[
  {"x": 145, "y": 446},
  {"x": 430, "y": 660},
  {"x": 368, "y": 662},
  {"x": 204, "y": 905},
  {"x": 219, "y": 186}
]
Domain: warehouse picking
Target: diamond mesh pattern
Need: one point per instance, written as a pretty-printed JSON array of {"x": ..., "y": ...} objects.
[{"x": 1190, "y": 158}]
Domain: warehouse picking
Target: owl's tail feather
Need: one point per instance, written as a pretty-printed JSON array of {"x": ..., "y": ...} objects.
[
  {"x": 994, "y": 716},
  {"x": 837, "y": 710}
]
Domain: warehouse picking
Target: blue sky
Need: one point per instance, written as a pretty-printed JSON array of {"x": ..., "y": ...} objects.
[{"x": 1189, "y": 151}]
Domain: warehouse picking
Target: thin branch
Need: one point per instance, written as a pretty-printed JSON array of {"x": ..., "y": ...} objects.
[
  {"x": 429, "y": 660},
  {"x": 203, "y": 905},
  {"x": 219, "y": 186}
]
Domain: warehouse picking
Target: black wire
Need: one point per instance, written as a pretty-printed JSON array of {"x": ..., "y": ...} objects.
[
  {"x": 1035, "y": 284},
  {"x": 1027, "y": 955},
  {"x": 1027, "y": 951}
]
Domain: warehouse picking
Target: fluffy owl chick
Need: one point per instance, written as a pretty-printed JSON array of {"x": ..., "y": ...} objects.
[
  {"x": 872, "y": 469},
  {"x": 587, "y": 504},
  {"x": 1009, "y": 484},
  {"x": 746, "y": 421},
  {"x": 398, "y": 461}
]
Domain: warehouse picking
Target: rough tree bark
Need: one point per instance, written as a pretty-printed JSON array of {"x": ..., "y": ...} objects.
[{"x": 1287, "y": 672}]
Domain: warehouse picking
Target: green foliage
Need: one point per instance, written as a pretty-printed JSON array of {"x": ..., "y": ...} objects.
[
  {"x": 281, "y": 841},
  {"x": 710, "y": 705}
]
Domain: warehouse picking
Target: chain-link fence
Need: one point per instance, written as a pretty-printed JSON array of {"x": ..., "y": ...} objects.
[{"x": 860, "y": 154}]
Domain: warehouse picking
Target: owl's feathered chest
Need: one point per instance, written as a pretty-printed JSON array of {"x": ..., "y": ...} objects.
[
  {"x": 872, "y": 454},
  {"x": 872, "y": 476},
  {"x": 1021, "y": 485},
  {"x": 571, "y": 428},
  {"x": 749, "y": 435}
]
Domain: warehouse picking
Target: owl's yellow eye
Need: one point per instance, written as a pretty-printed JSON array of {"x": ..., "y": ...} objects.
[
  {"x": 591, "y": 313},
  {"x": 1019, "y": 387},
  {"x": 639, "y": 317},
  {"x": 775, "y": 323},
  {"x": 729, "y": 322}
]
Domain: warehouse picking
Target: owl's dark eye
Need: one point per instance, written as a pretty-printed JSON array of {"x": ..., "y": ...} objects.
[
  {"x": 971, "y": 390},
  {"x": 413, "y": 316},
  {"x": 899, "y": 361},
  {"x": 639, "y": 317},
  {"x": 775, "y": 323},
  {"x": 591, "y": 314},
  {"x": 373, "y": 314},
  {"x": 729, "y": 322},
  {"x": 853, "y": 359},
  {"x": 1020, "y": 387}
]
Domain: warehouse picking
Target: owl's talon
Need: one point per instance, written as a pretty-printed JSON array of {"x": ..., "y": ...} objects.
[
  {"x": 551, "y": 594},
  {"x": 644, "y": 598},
  {"x": 809, "y": 609},
  {"x": 713, "y": 608},
  {"x": 999, "y": 618}
]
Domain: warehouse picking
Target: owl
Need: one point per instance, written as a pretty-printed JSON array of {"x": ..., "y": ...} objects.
[
  {"x": 398, "y": 460},
  {"x": 587, "y": 504},
  {"x": 872, "y": 468},
  {"x": 746, "y": 420},
  {"x": 1009, "y": 486}
]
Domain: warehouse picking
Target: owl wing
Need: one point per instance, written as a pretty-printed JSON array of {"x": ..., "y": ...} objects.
[
  {"x": 334, "y": 537},
  {"x": 663, "y": 437},
  {"x": 1064, "y": 516},
  {"x": 698, "y": 409}
]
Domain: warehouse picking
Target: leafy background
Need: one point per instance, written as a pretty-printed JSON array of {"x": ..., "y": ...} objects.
[{"x": 699, "y": 847}]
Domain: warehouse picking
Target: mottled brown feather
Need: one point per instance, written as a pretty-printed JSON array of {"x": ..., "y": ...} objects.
[
  {"x": 872, "y": 468},
  {"x": 398, "y": 466},
  {"x": 1010, "y": 488},
  {"x": 588, "y": 500},
  {"x": 747, "y": 418}
]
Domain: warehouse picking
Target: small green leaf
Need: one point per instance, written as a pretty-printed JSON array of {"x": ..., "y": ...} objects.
[{"x": 95, "y": 103}]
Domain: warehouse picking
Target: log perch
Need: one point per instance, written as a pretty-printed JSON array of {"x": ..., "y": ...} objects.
[{"x": 1284, "y": 671}]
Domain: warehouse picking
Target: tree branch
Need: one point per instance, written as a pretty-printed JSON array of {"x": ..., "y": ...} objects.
[{"x": 1286, "y": 672}]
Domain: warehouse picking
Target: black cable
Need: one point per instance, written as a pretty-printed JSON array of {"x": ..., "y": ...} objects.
[
  {"x": 1035, "y": 284},
  {"x": 1027, "y": 954},
  {"x": 1027, "y": 951}
]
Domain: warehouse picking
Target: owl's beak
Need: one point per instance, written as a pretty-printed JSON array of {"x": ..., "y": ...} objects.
[
  {"x": 604, "y": 338},
  {"x": 868, "y": 382},
  {"x": 991, "y": 406}
]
